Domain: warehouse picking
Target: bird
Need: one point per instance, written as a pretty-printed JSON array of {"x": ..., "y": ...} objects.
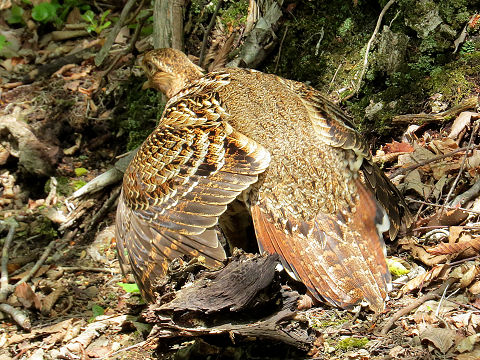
[{"x": 284, "y": 150}]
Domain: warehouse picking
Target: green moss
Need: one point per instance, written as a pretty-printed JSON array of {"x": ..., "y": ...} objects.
[
  {"x": 44, "y": 227},
  {"x": 139, "y": 114},
  {"x": 77, "y": 184},
  {"x": 351, "y": 343},
  {"x": 80, "y": 171}
]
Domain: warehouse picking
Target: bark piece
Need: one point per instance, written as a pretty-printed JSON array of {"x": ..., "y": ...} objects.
[{"x": 243, "y": 299}]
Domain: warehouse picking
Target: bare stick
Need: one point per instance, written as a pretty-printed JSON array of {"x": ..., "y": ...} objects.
[
  {"x": 208, "y": 31},
  {"x": 86, "y": 268},
  {"x": 467, "y": 195},
  {"x": 402, "y": 171},
  {"x": 462, "y": 166},
  {"x": 17, "y": 315},
  {"x": 4, "y": 279},
  {"x": 39, "y": 263},
  {"x": 369, "y": 44},
  {"x": 102, "y": 54},
  {"x": 406, "y": 310},
  {"x": 280, "y": 50},
  {"x": 104, "y": 209}
]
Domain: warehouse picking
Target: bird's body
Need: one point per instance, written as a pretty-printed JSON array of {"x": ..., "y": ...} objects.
[{"x": 284, "y": 149}]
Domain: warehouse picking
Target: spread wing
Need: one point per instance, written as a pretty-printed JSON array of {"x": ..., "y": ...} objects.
[
  {"x": 335, "y": 129},
  {"x": 179, "y": 183}
]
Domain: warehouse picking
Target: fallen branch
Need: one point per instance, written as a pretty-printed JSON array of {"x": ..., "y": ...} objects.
[
  {"x": 18, "y": 316},
  {"x": 406, "y": 310},
  {"x": 466, "y": 196},
  {"x": 208, "y": 31},
  {"x": 102, "y": 54},
  {"x": 404, "y": 170},
  {"x": 466, "y": 104},
  {"x": 4, "y": 286},
  {"x": 369, "y": 44}
]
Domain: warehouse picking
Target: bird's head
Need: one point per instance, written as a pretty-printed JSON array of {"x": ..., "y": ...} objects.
[{"x": 169, "y": 70}]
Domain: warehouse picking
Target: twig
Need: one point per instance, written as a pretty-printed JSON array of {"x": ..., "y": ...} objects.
[
  {"x": 128, "y": 49},
  {"x": 104, "y": 209},
  {"x": 86, "y": 268},
  {"x": 208, "y": 31},
  {"x": 4, "y": 286},
  {"x": 467, "y": 195},
  {"x": 280, "y": 49},
  {"x": 462, "y": 166},
  {"x": 17, "y": 315},
  {"x": 102, "y": 54},
  {"x": 442, "y": 116},
  {"x": 52, "y": 195},
  {"x": 134, "y": 346},
  {"x": 39, "y": 263},
  {"x": 369, "y": 44},
  {"x": 406, "y": 310},
  {"x": 446, "y": 206},
  {"x": 404, "y": 170}
]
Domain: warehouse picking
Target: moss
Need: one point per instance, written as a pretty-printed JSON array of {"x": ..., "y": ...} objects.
[
  {"x": 351, "y": 343},
  {"x": 139, "y": 114},
  {"x": 44, "y": 227},
  {"x": 77, "y": 184}
]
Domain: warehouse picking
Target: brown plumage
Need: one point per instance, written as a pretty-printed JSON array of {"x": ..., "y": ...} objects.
[{"x": 283, "y": 148}]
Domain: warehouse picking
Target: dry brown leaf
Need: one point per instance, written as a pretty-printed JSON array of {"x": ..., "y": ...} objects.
[
  {"x": 474, "y": 355},
  {"x": 456, "y": 248},
  {"x": 467, "y": 343},
  {"x": 395, "y": 147},
  {"x": 443, "y": 146},
  {"x": 442, "y": 339},
  {"x": 425, "y": 279},
  {"x": 420, "y": 253},
  {"x": 475, "y": 288},
  {"x": 413, "y": 181},
  {"x": 460, "y": 123},
  {"x": 27, "y": 296}
]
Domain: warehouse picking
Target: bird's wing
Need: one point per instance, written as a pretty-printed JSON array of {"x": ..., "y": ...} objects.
[
  {"x": 179, "y": 183},
  {"x": 339, "y": 257},
  {"x": 336, "y": 129}
]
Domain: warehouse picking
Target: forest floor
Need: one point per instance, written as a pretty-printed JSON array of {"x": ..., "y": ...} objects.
[{"x": 77, "y": 304}]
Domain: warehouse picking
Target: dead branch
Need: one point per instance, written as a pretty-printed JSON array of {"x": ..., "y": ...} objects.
[
  {"x": 207, "y": 33},
  {"x": 102, "y": 54},
  {"x": 406, "y": 310},
  {"x": 4, "y": 286},
  {"x": 370, "y": 42},
  {"x": 18, "y": 316},
  {"x": 466, "y": 104},
  {"x": 404, "y": 170},
  {"x": 462, "y": 166},
  {"x": 467, "y": 195}
]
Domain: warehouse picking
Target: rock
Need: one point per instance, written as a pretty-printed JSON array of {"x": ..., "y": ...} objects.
[
  {"x": 34, "y": 156},
  {"x": 391, "y": 52}
]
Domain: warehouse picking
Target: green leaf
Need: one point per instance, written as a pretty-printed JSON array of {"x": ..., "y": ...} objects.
[
  {"x": 44, "y": 12},
  {"x": 3, "y": 42},
  {"x": 129, "y": 288},
  {"x": 80, "y": 171},
  {"x": 104, "y": 15},
  {"x": 15, "y": 17},
  {"x": 97, "y": 310},
  {"x": 88, "y": 16},
  {"x": 103, "y": 27}
]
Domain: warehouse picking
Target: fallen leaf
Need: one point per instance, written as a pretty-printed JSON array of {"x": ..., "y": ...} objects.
[
  {"x": 442, "y": 339},
  {"x": 27, "y": 296},
  {"x": 425, "y": 279},
  {"x": 467, "y": 344},
  {"x": 460, "y": 123}
]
